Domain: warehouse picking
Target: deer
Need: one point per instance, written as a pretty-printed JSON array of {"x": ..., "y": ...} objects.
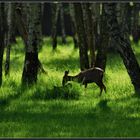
[{"x": 85, "y": 77}]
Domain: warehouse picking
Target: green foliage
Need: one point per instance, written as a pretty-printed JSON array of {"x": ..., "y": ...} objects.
[{"x": 50, "y": 110}]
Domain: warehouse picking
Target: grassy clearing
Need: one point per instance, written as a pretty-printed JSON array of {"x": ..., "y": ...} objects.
[{"x": 31, "y": 113}]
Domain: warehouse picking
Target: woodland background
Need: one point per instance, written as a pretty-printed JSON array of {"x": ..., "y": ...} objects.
[{"x": 40, "y": 41}]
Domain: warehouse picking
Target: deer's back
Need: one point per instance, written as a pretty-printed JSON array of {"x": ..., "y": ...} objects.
[{"x": 91, "y": 75}]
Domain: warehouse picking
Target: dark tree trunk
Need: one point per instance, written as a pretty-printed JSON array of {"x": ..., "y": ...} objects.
[
  {"x": 31, "y": 37},
  {"x": 96, "y": 24},
  {"x": 30, "y": 71},
  {"x": 123, "y": 14},
  {"x": 55, "y": 12},
  {"x": 21, "y": 23},
  {"x": 29, "y": 75},
  {"x": 2, "y": 34},
  {"x": 124, "y": 46},
  {"x": 42, "y": 9},
  {"x": 128, "y": 14},
  {"x": 82, "y": 42},
  {"x": 73, "y": 25},
  {"x": 62, "y": 24},
  {"x": 102, "y": 49},
  {"x": 90, "y": 33},
  {"x": 10, "y": 35},
  {"x": 135, "y": 30}
]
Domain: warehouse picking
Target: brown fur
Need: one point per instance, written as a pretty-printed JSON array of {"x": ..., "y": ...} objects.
[{"x": 88, "y": 76}]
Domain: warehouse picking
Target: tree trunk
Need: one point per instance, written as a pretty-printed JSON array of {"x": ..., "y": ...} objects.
[
  {"x": 135, "y": 22},
  {"x": 73, "y": 25},
  {"x": 120, "y": 16},
  {"x": 124, "y": 46},
  {"x": 90, "y": 33},
  {"x": 127, "y": 15},
  {"x": 55, "y": 12},
  {"x": 29, "y": 75},
  {"x": 21, "y": 23},
  {"x": 62, "y": 24},
  {"x": 10, "y": 35},
  {"x": 96, "y": 23},
  {"x": 31, "y": 37},
  {"x": 2, "y": 34},
  {"x": 82, "y": 42},
  {"x": 102, "y": 49}
]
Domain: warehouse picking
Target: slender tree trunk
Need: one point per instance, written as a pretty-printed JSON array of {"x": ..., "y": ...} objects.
[
  {"x": 2, "y": 34},
  {"x": 85, "y": 19},
  {"x": 90, "y": 33},
  {"x": 82, "y": 42},
  {"x": 102, "y": 49},
  {"x": 10, "y": 35},
  {"x": 55, "y": 13},
  {"x": 96, "y": 23},
  {"x": 42, "y": 8},
  {"x": 62, "y": 24},
  {"x": 124, "y": 47},
  {"x": 73, "y": 25}
]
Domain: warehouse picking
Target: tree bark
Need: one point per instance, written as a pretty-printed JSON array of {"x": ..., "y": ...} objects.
[
  {"x": 2, "y": 35},
  {"x": 62, "y": 24},
  {"x": 30, "y": 33},
  {"x": 73, "y": 25},
  {"x": 30, "y": 71},
  {"x": 124, "y": 46},
  {"x": 82, "y": 42},
  {"x": 90, "y": 33},
  {"x": 21, "y": 23},
  {"x": 102, "y": 49},
  {"x": 55, "y": 12},
  {"x": 135, "y": 30},
  {"x": 10, "y": 35},
  {"x": 96, "y": 23}
]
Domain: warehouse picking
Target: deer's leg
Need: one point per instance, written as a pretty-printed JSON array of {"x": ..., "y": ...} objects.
[
  {"x": 85, "y": 85},
  {"x": 101, "y": 89},
  {"x": 83, "y": 81},
  {"x": 101, "y": 86}
]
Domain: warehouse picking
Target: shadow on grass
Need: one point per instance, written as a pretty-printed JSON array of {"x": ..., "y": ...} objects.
[
  {"x": 103, "y": 105},
  {"x": 62, "y": 122},
  {"x": 18, "y": 91}
]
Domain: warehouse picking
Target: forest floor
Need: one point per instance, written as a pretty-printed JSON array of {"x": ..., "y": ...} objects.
[{"x": 29, "y": 113}]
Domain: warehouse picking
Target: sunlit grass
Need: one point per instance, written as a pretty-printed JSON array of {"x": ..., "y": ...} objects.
[{"x": 44, "y": 111}]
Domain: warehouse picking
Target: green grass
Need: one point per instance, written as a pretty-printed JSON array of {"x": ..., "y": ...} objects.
[{"x": 48, "y": 110}]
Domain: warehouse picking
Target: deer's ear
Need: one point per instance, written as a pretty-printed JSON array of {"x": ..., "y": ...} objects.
[{"x": 66, "y": 72}]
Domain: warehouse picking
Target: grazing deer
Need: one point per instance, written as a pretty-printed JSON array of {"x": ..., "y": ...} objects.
[{"x": 88, "y": 76}]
